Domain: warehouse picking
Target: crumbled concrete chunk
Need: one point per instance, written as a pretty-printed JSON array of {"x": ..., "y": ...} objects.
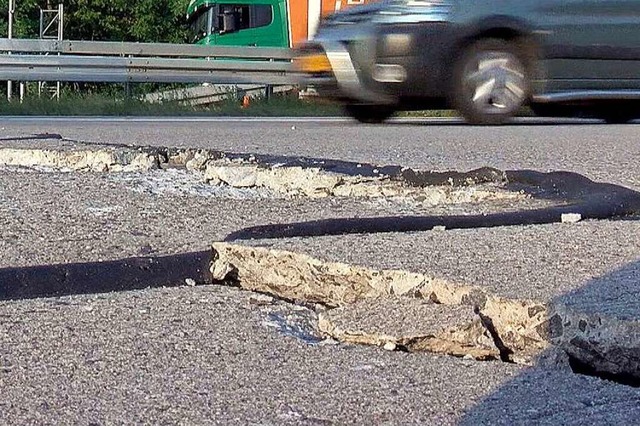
[
  {"x": 389, "y": 346},
  {"x": 299, "y": 277},
  {"x": 101, "y": 160},
  {"x": 237, "y": 177},
  {"x": 417, "y": 325},
  {"x": 570, "y": 217}
]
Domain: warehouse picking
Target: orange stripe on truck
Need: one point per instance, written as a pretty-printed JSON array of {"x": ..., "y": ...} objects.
[
  {"x": 300, "y": 17},
  {"x": 299, "y": 20}
]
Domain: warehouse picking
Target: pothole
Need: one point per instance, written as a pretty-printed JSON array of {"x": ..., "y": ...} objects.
[
  {"x": 440, "y": 316},
  {"x": 414, "y": 312},
  {"x": 211, "y": 173},
  {"x": 180, "y": 182}
]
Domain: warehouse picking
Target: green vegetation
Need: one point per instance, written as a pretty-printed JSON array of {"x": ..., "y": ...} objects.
[
  {"x": 103, "y": 104},
  {"x": 105, "y": 20}
]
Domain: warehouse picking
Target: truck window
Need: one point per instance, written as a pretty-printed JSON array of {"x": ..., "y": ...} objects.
[
  {"x": 200, "y": 26},
  {"x": 262, "y": 16},
  {"x": 249, "y": 16}
]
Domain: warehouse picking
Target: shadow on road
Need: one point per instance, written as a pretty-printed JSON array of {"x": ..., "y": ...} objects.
[
  {"x": 516, "y": 122},
  {"x": 101, "y": 277},
  {"x": 578, "y": 195},
  {"x": 550, "y": 394},
  {"x": 575, "y": 194}
]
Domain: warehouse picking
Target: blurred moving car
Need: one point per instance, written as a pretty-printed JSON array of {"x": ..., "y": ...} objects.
[{"x": 484, "y": 58}]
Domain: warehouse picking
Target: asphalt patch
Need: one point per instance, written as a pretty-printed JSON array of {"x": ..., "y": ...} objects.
[
  {"x": 577, "y": 193},
  {"x": 102, "y": 277}
]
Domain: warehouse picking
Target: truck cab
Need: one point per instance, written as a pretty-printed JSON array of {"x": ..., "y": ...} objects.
[{"x": 261, "y": 23}]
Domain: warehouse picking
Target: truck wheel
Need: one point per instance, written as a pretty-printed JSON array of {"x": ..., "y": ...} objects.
[
  {"x": 490, "y": 82},
  {"x": 371, "y": 114}
]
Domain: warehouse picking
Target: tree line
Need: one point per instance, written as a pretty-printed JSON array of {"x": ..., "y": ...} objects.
[{"x": 103, "y": 20}]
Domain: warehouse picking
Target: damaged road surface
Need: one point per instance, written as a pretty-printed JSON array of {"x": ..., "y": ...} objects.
[
  {"x": 415, "y": 312},
  {"x": 164, "y": 285}
]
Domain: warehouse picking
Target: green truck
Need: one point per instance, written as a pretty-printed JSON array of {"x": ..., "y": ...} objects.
[{"x": 260, "y": 23}]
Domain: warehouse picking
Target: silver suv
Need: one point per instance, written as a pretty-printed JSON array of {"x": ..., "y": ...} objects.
[{"x": 484, "y": 58}]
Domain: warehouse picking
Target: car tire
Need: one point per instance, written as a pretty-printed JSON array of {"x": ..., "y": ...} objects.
[
  {"x": 553, "y": 110},
  {"x": 370, "y": 114},
  {"x": 613, "y": 112},
  {"x": 490, "y": 82},
  {"x": 615, "y": 117}
]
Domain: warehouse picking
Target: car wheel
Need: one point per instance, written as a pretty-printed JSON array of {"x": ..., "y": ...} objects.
[
  {"x": 372, "y": 114},
  {"x": 490, "y": 82}
]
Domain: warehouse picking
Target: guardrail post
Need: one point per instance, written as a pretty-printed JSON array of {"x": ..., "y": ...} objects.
[{"x": 12, "y": 9}]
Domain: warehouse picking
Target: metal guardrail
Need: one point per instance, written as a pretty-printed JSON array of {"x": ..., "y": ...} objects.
[{"x": 121, "y": 62}]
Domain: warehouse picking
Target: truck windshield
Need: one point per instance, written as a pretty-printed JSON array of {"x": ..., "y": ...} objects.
[{"x": 200, "y": 25}]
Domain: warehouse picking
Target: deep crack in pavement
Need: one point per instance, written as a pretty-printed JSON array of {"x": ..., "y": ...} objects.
[{"x": 511, "y": 330}]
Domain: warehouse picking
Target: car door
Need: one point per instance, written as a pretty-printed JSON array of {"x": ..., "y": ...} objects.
[{"x": 589, "y": 44}]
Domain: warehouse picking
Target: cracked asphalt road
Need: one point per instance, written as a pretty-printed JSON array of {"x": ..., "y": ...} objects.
[{"x": 207, "y": 355}]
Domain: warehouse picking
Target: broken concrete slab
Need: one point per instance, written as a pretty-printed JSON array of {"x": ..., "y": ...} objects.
[
  {"x": 316, "y": 182},
  {"x": 299, "y": 277},
  {"x": 296, "y": 276},
  {"x": 581, "y": 274},
  {"x": 603, "y": 344},
  {"x": 521, "y": 329},
  {"x": 98, "y": 160},
  {"x": 416, "y": 325}
]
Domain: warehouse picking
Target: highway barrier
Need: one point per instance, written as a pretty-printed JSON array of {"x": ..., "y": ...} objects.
[{"x": 122, "y": 62}]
